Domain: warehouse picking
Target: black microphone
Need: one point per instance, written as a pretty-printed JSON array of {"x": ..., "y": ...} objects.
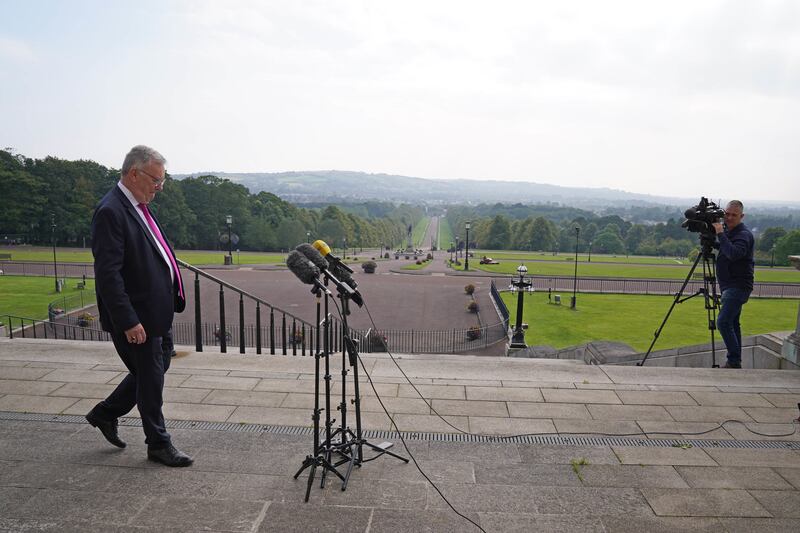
[
  {"x": 338, "y": 276},
  {"x": 323, "y": 248},
  {"x": 305, "y": 270}
]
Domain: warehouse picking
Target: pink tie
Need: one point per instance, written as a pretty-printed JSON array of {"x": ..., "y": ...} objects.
[{"x": 154, "y": 228}]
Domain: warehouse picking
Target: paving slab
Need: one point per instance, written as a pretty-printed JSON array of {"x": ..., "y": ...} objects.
[
  {"x": 636, "y": 476},
  {"x": 504, "y": 394},
  {"x": 792, "y": 475},
  {"x": 548, "y": 410},
  {"x": 781, "y": 504},
  {"x": 391, "y": 521},
  {"x": 220, "y": 382},
  {"x": 758, "y": 457},
  {"x": 655, "y": 398},
  {"x": 470, "y": 408},
  {"x": 783, "y": 400},
  {"x": 740, "y": 477},
  {"x": 295, "y": 516},
  {"x": 730, "y": 399},
  {"x": 37, "y": 388},
  {"x": 66, "y": 375},
  {"x": 772, "y": 432},
  {"x": 684, "y": 430},
  {"x": 524, "y": 522},
  {"x": 195, "y": 514},
  {"x": 429, "y": 423},
  {"x": 200, "y": 413},
  {"x": 560, "y": 475},
  {"x": 661, "y": 524},
  {"x": 703, "y": 502},
  {"x": 712, "y": 377},
  {"x": 707, "y": 414},
  {"x": 774, "y": 415},
  {"x": 552, "y": 454},
  {"x": 629, "y": 412},
  {"x": 663, "y": 456},
  {"x": 487, "y": 425},
  {"x": 235, "y": 397},
  {"x": 439, "y": 392},
  {"x": 580, "y": 396},
  {"x": 23, "y": 403},
  {"x": 762, "y": 525},
  {"x": 23, "y": 373},
  {"x": 598, "y": 427},
  {"x": 81, "y": 390}
]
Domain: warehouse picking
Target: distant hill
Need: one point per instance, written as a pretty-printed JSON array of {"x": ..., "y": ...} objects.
[{"x": 336, "y": 185}]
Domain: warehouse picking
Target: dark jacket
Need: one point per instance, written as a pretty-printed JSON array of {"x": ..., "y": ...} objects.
[
  {"x": 735, "y": 264},
  {"x": 132, "y": 280}
]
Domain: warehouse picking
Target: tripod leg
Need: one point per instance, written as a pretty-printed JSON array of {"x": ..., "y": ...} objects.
[
  {"x": 674, "y": 302},
  {"x": 310, "y": 480},
  {"x": 381, "y": 451}
]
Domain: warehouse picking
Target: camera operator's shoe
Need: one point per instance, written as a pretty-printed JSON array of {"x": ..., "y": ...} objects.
[
  {"x": 169, "y": 456},
  {"x": 730, "y": 365},
  {"x": 108, "y": 429}
]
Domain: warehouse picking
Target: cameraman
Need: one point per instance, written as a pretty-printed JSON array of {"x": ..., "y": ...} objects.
[{"x": 735, "y": 268}]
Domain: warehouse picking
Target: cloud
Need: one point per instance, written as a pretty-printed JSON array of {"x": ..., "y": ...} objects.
[{"x": 16, "y": 51}]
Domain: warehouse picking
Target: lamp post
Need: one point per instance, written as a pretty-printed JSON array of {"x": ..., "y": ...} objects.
[
  {"x": 575, "y": 283},
  {"x": 520, "y": 285},
  {"x": 457, "y": 241},
  {"x": 590, "y": 251},
  {"x": 308, "y": 236},
  {"x": 55, "y": 264},
  {"x": 452, "y": 249},
  {"x": 466, "y": 247},
  {"x": 229, "y": 222},
  {"x": 344, "y": 248},
  {"x": 772, "y": 261}
]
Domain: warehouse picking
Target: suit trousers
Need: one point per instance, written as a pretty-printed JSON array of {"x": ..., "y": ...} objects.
[{"x": 143, "y": 387}]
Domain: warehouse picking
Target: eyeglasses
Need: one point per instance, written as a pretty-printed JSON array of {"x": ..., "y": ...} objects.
[{"x": 158, "y": 182}]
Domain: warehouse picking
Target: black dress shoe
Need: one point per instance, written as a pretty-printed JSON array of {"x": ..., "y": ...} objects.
[
  {"x": 729, "y": 365},
  {"x": 108, "y": 429},
  {"x": 169, "y": 456}
]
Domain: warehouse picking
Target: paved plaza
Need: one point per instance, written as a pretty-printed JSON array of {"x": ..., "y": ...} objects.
[{"x": 244, "y": 419}]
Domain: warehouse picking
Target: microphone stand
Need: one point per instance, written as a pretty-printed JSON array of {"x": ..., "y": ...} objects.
[
  {"x": 320, "y": 456},
  {"x": 354, "y": 442}
]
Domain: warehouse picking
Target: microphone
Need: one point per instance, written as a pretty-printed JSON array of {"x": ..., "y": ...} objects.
[
  {"x": 325, "y": 250},
  {"x": 341, "y": 277},
  {"x": 305, "y": 270}
]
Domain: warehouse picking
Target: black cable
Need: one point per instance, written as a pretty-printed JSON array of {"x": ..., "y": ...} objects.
[
  {"x": 505, "y": 437},
  {"x": 400, "y": 435}
]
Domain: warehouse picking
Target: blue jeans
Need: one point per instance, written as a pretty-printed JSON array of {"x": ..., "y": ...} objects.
[{"x": 728, "y": 322}]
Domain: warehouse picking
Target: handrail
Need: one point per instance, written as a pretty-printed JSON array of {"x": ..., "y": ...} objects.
[{"x": 243, "y": 292}]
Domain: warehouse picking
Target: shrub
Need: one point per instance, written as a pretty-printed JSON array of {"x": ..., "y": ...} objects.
[
  {"x": 469, "y": 289},
  {"x": 473, "y": 333},
  {"x": 472, "y": 307},
  {"x": 369, "y": 267},
  {"x": 386, "y": 256},
  {"x": 429, "y": 256},
  {"x": 419, "y": 262}
]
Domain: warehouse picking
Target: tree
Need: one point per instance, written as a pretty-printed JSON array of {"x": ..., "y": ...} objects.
[
  {"x": 498, "y": 235},
  {"x": 636, "y": 234},
  {"x": 608, "y": 242},
  {"x": 769, "y": 238},
  {"x": 787, "y": 245},
  {"x": 543, "y": 235}
]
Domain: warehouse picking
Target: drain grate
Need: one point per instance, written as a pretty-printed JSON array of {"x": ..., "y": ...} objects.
[{"x": 561, "y": 440}]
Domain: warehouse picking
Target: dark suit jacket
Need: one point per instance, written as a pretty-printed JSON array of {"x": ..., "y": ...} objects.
[{"x": 132, "y": 281}]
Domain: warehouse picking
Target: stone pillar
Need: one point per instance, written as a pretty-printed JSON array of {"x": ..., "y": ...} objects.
[{"x": 791, "y": 346}]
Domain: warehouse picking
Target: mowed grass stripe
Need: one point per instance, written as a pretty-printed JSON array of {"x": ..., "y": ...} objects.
[{"x": 633, "y": 319}]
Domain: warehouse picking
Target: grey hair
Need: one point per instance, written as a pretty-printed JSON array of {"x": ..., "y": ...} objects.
[
  {"x": 141, "y": 155},
  {"x": 737, "y": 203}
]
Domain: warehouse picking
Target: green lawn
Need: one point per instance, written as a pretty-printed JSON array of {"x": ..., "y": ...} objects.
[
  {"x": 415, "y": 266},
  {"x": 508, "y": 255},
  {"x": 418, "y": 232},
  {"x": 446, "y": 238},
  {"x": 610, "y": 270},
  {"x": 633, "y": 319},
  {"x": 28, "y": 296}
]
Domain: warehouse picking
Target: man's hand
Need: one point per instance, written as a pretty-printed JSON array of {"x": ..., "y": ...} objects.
[
  {"x": 136, "y": 334},
  {"x": 718, "y": 227}
]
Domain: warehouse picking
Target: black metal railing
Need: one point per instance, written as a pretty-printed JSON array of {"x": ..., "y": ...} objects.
[
  {"x": 67, "y": 328},
  {"x": 282, "y": 333},
  {"x": 501, "y": 305},
  {"x": 73, "y": 302},
  {"x": 649, "y": 286},
  {"x": 44, "y": 268}
]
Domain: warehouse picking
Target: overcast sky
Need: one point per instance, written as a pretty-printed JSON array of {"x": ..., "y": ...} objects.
[{"x": 670, "y": 98}]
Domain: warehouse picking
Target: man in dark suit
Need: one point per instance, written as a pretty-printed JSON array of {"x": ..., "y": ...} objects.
[{"x": 139, "y": 288}]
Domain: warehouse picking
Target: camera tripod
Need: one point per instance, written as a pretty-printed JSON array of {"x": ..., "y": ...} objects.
[{"x": 709, "y": 292}]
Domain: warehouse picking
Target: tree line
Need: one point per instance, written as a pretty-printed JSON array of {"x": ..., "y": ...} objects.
[
  {"x": 553, "y": 229},
  {"x": 37, "y": 193}
]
